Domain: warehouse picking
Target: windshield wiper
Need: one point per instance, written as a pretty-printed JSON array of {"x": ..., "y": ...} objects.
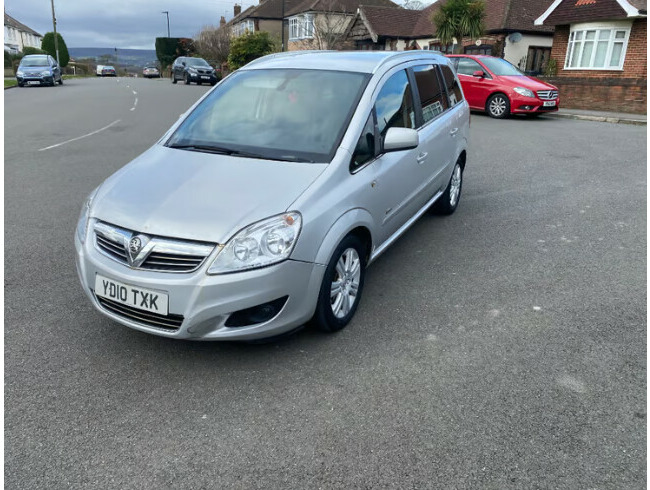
[{"x": 231, "y": 151}]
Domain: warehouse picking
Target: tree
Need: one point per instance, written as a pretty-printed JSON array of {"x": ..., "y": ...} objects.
[
  {"x": 170, "y": 48},
  {"x": 250, "y": 46},
  {"x": 213, "y": 44},
  {"x": 458, "y": 19},
  {"x": 47, "y": 45}
]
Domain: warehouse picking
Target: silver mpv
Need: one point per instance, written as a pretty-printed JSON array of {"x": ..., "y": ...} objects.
[{"x": 260, "y": 209}]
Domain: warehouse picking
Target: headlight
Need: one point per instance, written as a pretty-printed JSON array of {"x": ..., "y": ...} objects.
[
  {"x": 193, "y": 70},
  {"x": 82, "y": 225},
  {"x": 46, "y": 73},
  {"x": 20, "y": 73},
  {"x": 524, "y": 91},
  {"x": 263, "y": 243}
]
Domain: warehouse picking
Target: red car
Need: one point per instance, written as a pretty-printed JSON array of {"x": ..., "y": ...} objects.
[{"x": 495, "y": 86}]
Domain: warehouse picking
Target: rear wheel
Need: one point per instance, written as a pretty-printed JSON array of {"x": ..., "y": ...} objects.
[
  {"x": 61, "y": 80},
  {"x": 498, "y": 106},
  {"x": 342, "y": 285}
]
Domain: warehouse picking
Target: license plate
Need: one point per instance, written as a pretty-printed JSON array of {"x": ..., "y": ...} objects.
[
  {"x": 549, "y": 103},
  {"x": 33, "y": 83},
  {"x": 205, "y": 77},
  {"x": 136, "y": 297}
]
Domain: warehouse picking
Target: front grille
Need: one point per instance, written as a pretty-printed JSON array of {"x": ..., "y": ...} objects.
[
  {"x": 547, "y": 94},
  {"x": 161, "y": 254},
  {"x": 167, "y": 322}
]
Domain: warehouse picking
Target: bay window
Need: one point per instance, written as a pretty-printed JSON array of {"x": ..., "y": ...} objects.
[
  {"x": 301, "y": 27},
  {"x": 597, "y": 46}
]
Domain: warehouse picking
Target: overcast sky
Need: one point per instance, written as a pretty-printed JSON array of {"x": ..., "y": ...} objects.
[{"x": 120, "y": 23}]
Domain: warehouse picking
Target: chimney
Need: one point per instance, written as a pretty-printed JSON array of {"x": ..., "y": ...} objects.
[
  {"x": 222, "y": 22},
  {"x": 237, "y": 9}
]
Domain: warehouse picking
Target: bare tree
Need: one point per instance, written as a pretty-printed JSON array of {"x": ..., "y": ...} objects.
[
  {"x": 330, "y": 28},
  {"x": 213, "y": 43}
]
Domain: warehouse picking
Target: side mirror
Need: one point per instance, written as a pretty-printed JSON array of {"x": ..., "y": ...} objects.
[
  {"x": 398, "y": 139},
  {"x": 478, "y": 74},
  {"x": 183, "y": 63}
]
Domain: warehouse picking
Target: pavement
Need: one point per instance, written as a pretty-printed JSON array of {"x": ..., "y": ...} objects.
[
  {"x": 502, "y": 347},
  {"x": 601, "y": 116}
]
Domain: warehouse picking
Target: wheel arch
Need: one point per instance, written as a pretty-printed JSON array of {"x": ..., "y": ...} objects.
[
  {"x": 356, "y": 222},
  {"x": 497, "y": 92}
]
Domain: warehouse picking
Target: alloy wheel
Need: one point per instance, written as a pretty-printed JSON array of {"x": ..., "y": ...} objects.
[{"x": 345, "y": 286}]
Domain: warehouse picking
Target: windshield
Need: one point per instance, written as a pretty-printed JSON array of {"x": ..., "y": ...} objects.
[
  {"x": 197, "y": 62},
  {"x": 500, "y": 67},
  {"x": 36, "y": 61},
  {"x": 292, "y": 115}
]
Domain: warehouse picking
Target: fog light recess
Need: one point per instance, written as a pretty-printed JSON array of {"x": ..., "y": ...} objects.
[{"x": 256, "y": 314}]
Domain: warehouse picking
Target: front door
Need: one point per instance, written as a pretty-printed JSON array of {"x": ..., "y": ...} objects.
[{"x": 476, "y": 89}]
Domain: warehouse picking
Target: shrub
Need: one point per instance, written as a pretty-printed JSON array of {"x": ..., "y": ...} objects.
[
  {"x": 47, "y": 45},
  {"x": 250, "y": 46},
  {"x": 27, "y": 50}
]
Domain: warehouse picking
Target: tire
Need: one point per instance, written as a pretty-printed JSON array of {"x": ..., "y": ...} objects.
[
  {"x": 21, "y": 85},
  {"x": 187, "y": 79},
  {"x": 199, "y": 82},
  {"x": 448, "y": 202},
  {"x": 213, "y": 83},
  {"x": 61, "y": 81},
  {"x": 174, "y": 78},
  {"x": 334, "y": 313},
  {"x": 498, "y": 106}
]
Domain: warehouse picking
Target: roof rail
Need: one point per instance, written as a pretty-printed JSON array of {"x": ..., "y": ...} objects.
[
  {"x": 406, "y": 54},
  {"x": 286, "y": 54}
]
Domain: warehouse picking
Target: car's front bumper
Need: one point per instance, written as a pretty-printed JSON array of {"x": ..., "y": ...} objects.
[
  {"x": 531, "y": 105},
  {"x": 197, "y": 77},
  {"x": 29, "y": 79},
  {"x": 207, "y": 301}
]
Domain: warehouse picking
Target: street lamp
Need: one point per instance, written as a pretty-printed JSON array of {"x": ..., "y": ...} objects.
[{"x": 167, "y": 13}]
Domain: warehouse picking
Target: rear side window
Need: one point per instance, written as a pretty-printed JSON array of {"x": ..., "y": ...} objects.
[
  {"x": 431, "y": 90},
  {"x": 453, "y": 87},
  {"x": 394, "y": 106}
]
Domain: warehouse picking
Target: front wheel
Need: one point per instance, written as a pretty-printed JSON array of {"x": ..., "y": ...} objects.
[
  {"x": 174, "y": 78},
  {"x": 342, "y": 285},
  {"x": 498, "y": 106},
  {"x": 449, "y": 200},
  {"x": 187, "y": 79},
  {"x": 61, "y": 81}
]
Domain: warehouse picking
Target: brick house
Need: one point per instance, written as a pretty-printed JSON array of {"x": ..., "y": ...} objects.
[
  {"x": 322, "y": 24},
  {"x": 600, "y": 47},
  {"x": 510, "y": 31}
]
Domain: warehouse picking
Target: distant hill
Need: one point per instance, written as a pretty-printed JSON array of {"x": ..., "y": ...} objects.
[{"x": 125, "y": 57}]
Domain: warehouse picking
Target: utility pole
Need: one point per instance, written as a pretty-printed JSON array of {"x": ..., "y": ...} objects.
[
  {"x": 56, "y": 39},
  {"x": 167, "y": 13}
]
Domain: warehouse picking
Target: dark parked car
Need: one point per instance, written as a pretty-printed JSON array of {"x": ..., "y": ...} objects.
[
  {"x": 108, "y": 71},
  {"x": 38, "y": 69},
  {"x": 193, "y": 70}
]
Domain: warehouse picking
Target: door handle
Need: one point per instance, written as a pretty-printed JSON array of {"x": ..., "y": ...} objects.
[
  {"x": 422, "y": 157},
  {"x": 453, "y": 131}
]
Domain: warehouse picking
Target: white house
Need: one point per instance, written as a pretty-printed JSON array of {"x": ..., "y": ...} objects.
[{"x": 18, "y": 36}]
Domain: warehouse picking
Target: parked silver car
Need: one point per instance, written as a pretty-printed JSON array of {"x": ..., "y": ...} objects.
[{"x": 262, "y": 206}]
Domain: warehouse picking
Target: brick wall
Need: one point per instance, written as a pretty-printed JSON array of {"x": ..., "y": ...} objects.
[{"x": 624, "y": 91}]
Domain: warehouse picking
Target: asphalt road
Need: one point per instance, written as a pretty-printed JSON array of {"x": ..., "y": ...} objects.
[{"x": 501, "y": 347}]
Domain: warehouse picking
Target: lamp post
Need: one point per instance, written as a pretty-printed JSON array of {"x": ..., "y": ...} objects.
[
  {"x": 56, "y": 40},
  {"x": 166, "y": 12}
]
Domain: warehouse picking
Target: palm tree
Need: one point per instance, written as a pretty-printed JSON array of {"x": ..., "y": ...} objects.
[{"x": 458, "y": 19}]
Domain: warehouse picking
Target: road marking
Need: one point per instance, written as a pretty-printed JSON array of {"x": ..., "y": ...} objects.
[
  {"x": 81, "y": 137},
  {"x": 135, "y": 103},
  {"x": 135, "y": 93}
]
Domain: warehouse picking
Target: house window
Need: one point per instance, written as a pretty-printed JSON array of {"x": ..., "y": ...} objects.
[
  {"x": 244, "y": 26},
  {"x": 443, "y": 48},
  {"x": 301, "y": 27},
  {"x": 598, "y": 48}
]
